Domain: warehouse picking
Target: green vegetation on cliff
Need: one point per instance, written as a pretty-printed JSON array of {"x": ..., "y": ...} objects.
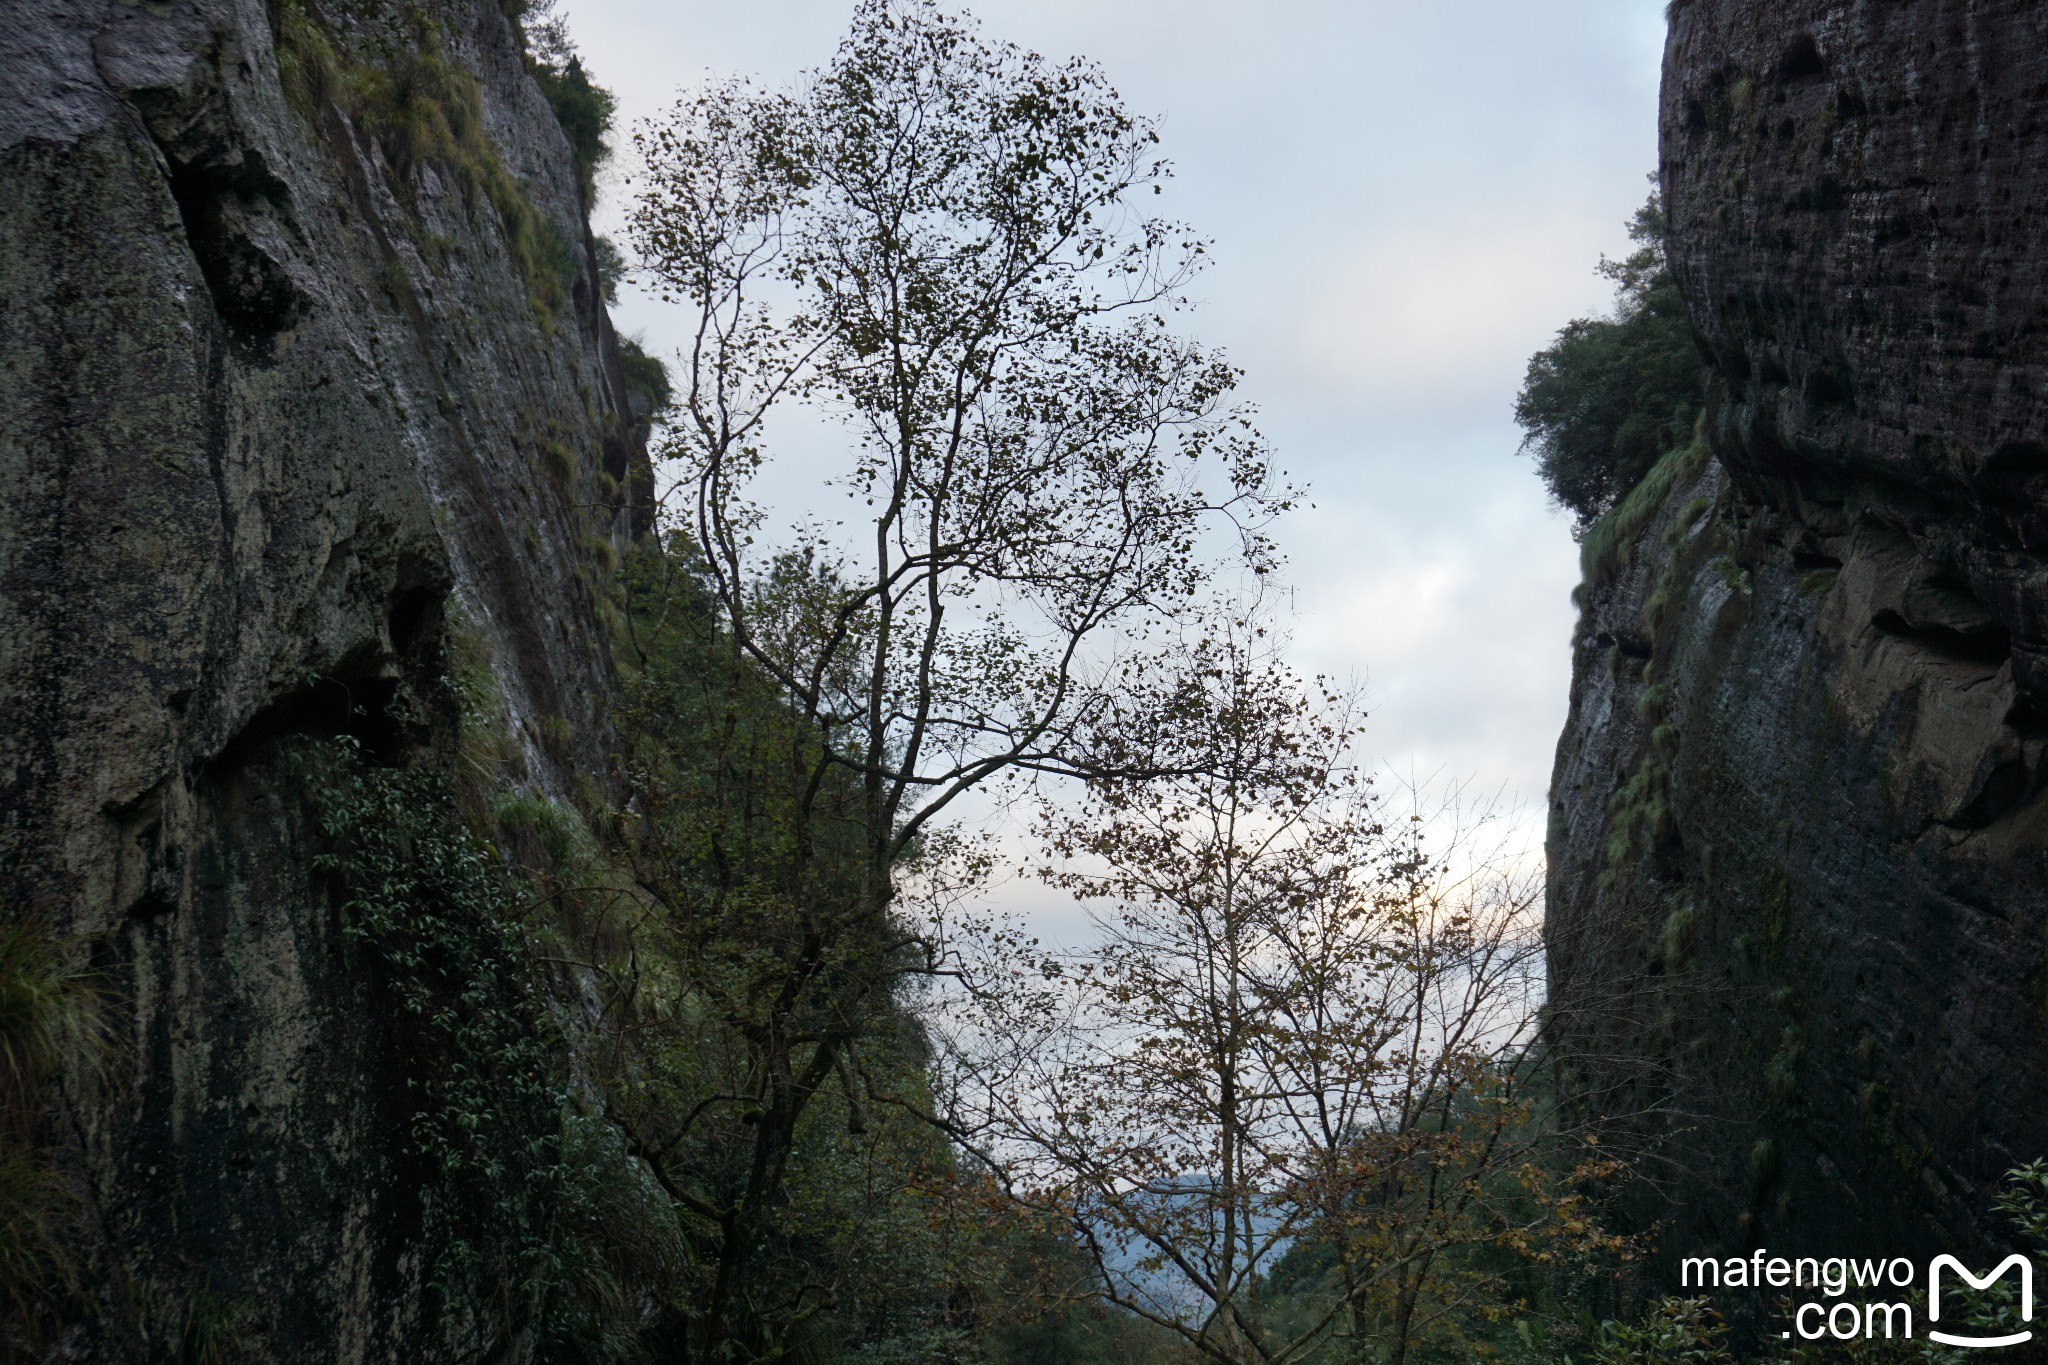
[
  {"x": 398, "y": 86},
  {"x": 1605, "y": 400},
  {"x": 532, "y": 1208},
  {"x": 584, "y": 108}
]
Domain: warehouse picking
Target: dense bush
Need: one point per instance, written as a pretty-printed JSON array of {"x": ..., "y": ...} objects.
[
  {"x": 535, "y": 1206},
  {"x": 646, "y": 374},
  {"x": 1605, "y": 400},
  {"x": 583, "y": 108}
]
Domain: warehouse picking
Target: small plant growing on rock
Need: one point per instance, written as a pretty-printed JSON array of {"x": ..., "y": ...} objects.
[{"x": 48, "y": 1009}]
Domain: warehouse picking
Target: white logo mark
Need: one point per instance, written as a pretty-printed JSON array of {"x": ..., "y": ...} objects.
[{"x": 2026, "y": 1298}]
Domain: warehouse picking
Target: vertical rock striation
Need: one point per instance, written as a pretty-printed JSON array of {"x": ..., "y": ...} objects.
[
  {"x": 297, "y": 380},
  {"x": 1799, "y": 841}
]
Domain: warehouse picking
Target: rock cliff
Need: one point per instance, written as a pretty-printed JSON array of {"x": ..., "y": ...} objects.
[
  {"x": 1799, "y": 831},
  {"x": 311, "y": 401}
]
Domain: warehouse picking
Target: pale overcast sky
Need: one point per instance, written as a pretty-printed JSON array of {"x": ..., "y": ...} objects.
[{"x": 1407, "y": 198}]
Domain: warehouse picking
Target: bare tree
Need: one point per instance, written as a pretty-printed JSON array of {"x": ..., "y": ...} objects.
[
  {"x": 934, "y": 242},
  {"x": 1306, "y": 1022}
]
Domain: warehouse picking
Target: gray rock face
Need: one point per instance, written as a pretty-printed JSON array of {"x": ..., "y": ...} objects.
[
  {"x": 279, "y": 407},
  {"x": 1799, "y": 847}
]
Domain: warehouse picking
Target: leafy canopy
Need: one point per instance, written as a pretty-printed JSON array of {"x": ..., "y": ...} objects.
[
  {"x": 935, "y": 243},
  {"x": 584, "y": 108},
  {"x": 1610, "y": 396}
]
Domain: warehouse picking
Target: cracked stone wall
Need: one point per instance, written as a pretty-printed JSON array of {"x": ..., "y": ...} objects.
[
  {"x": 285, "y": 410},
  {"x": 1799, "y": 839}
]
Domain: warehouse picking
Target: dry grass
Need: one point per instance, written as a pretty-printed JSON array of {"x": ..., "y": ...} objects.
[
  {"x": 48, "y": 1013},
  {"x": 419, "y": 107}
]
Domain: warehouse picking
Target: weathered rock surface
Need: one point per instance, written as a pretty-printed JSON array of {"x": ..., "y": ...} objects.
[
  {"x": 277, "y": 410},
  {"x": 1799, "y": 847}
]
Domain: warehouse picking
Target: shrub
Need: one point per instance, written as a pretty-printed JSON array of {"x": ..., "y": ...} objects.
[
  {"x": 429, "y": 904},
  {"x": 583, "y": 108},
  {"x": 1607, "y": 542},
  {"x": 1673, "y": 1332},
  {"x": 1605, "y": 400},
  {"x": 611, "y": 268},
  {"x": 585, "y": 112},
  {"x": 646, "y": 375}
]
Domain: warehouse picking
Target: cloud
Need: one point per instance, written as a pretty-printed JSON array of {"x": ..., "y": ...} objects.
[
  {"x": 1407, "y": 200},
  {"x": 1424, "y": 320}
]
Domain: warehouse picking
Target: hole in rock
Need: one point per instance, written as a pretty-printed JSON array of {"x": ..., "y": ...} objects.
[{"x": 1802, "y": 60}]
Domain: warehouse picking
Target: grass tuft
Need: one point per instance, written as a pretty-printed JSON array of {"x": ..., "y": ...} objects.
[
  {"x": 420, "y": 108},
  {"x": 48, "y": 1011},
  {"x": 1610, "y": 543}
]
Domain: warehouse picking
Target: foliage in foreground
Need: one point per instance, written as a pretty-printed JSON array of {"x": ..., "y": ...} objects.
[
  {"x": 687, "y": 923},
  {"x": 1289, "y": 1098},
  {"x": 567, "y": 1162},
  {"x": 536, "y": 1216}
]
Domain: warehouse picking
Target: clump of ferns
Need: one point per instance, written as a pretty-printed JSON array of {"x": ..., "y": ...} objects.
[{"x": 49, "y": 1011}]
